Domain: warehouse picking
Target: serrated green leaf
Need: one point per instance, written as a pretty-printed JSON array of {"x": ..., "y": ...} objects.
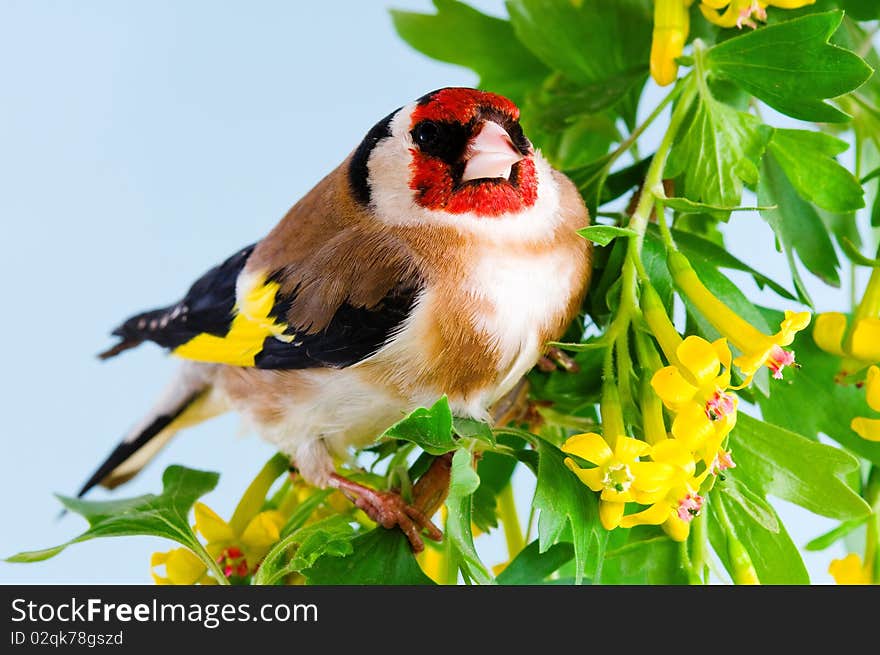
[
  {"x": 569, "y": 511},
  {"x": 797, "y": 226},
  {"x": 532, "y": 567},
  {"x": 774, "y": 556},
  {"x": 605, "y": 234},
  {"x": 717, "y": 150},
  {"x": 773, "y": 460},
  {"x": 165, "y": 515},
  {"x": 792, "y": 67},
  {"x": 484, "y": 44},
  {"x": 330, "y": 536},
  {"x": 428, "y": 428},
  {"x": 808, "y": 160},
  {"x": 379, "y": 557},
  {"x": 464, "y": 481},
  {"x": 829, "y": 407}
]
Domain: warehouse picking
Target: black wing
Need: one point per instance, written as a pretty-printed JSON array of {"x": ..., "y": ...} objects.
[{"x": 206, "y": 326}]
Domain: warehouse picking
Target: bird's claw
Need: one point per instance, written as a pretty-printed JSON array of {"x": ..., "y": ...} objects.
[{"x": 388, "y": 509}]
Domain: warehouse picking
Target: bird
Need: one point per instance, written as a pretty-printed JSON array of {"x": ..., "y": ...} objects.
[{"x": 437, "y": 259}]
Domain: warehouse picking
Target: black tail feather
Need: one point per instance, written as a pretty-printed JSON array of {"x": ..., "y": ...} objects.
[{"x": 127, "y": 448}]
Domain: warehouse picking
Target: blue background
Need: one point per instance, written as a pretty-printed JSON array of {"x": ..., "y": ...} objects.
[{"x": 140, "y": 144}]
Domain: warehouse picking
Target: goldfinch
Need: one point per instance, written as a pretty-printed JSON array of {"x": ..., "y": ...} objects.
[{"x": 438, "y": 258}]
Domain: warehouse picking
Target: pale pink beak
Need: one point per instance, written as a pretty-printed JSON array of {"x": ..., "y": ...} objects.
[{"x": 490, "y": 154}]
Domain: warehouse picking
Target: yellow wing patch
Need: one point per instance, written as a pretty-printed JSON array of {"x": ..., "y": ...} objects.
[{"x": 250, "y": 327}]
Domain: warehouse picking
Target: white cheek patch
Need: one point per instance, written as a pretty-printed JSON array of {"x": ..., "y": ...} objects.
[{"x": 395, "y": 203}]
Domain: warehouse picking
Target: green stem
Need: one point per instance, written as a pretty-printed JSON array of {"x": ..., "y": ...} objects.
[
  {"x": 449, "y": 575},
  {"x": 872, "y": 538},
  {"x": 510, "y": 521},
  {"x": 212, "y": 566},
  {"x": 530, "y": 524},
  {"x": 612, "y": 413},
  {"x": 624, "y": 371},
  {"x": 665, "y": 232},
  {"x": 698, "y": 546}
]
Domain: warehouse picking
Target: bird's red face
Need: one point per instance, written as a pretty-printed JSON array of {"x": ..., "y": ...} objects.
[{"x": 469, "y": 154}]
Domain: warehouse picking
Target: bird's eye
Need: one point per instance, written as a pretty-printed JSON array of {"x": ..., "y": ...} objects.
[{"x": 425, "y": 133}]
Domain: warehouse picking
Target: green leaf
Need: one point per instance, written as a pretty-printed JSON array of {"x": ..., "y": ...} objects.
[
  {"x": 470, "y": 429},
  {"x": 330, "y": 536},
  {"x": 463, "y": 483},
  {"x": 532, "y": 567},
  {"x": 861, "y": 9},
  {"x": 696, "y": 248},
  {"x": 605, "y": 234},
  {"x": 852, "y": 253},
  {"x": 797, "y": 227},
  {"x": 430, "y": 429},
  {"x": 750, "y": 502},
  {"x": 495, "y": 471},
  {"x": 814, "y": 381},
  {"x": 685, "y": 206},
  {"x": 808, "y": 160},
  {"x": 569, "y": 141},
  {"x": 165, "y": 515},
  {"x": 792, "y": 67},
  {"x": 775, "y": 461},
  {"x": 379, "y": 557},
  {"x": 833, "y": 536},
  {"x": 484, "y": 44},
  {"x": 654, "y": 560},
  {"x": 560, "y": 101},
  {"x": 564, "y": 36},
  {"x": 598, "y": 187},
  {"x": 775, "y": 557},
  {"x": 304, "y": 510},
  {"x": 717, "y": 150},
  {"x": 569, "y": 511}
]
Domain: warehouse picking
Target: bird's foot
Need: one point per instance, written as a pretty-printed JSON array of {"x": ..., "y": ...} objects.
[{"x": 388, "y": 509}]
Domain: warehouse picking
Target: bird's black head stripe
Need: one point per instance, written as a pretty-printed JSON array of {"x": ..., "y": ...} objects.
[{"x": 357, "y": 169}]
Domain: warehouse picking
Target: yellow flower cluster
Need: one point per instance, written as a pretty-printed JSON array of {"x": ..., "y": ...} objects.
[
  {"x": 664, "y": 477},
  {"x": 857, "y": 343},
  {"x": 672, "y": 25}
]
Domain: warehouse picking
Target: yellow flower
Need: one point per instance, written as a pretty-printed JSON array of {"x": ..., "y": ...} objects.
[
  {"x": 676, "y": 508},
  {"x": 696, "y": 391},
  {"x": 858, "y": 350},
  {"x": 869, "y": 428},
  {"x": 742, "y": 12},
  {"x": 182, "y": 567},
  {"x": 757, "y": 348},
  {"x": 671, "y": 27},
  {"x": 619, "y": 475},
  {"x": 238, "y": 552},
  {"x": 849, "y": 570}
]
